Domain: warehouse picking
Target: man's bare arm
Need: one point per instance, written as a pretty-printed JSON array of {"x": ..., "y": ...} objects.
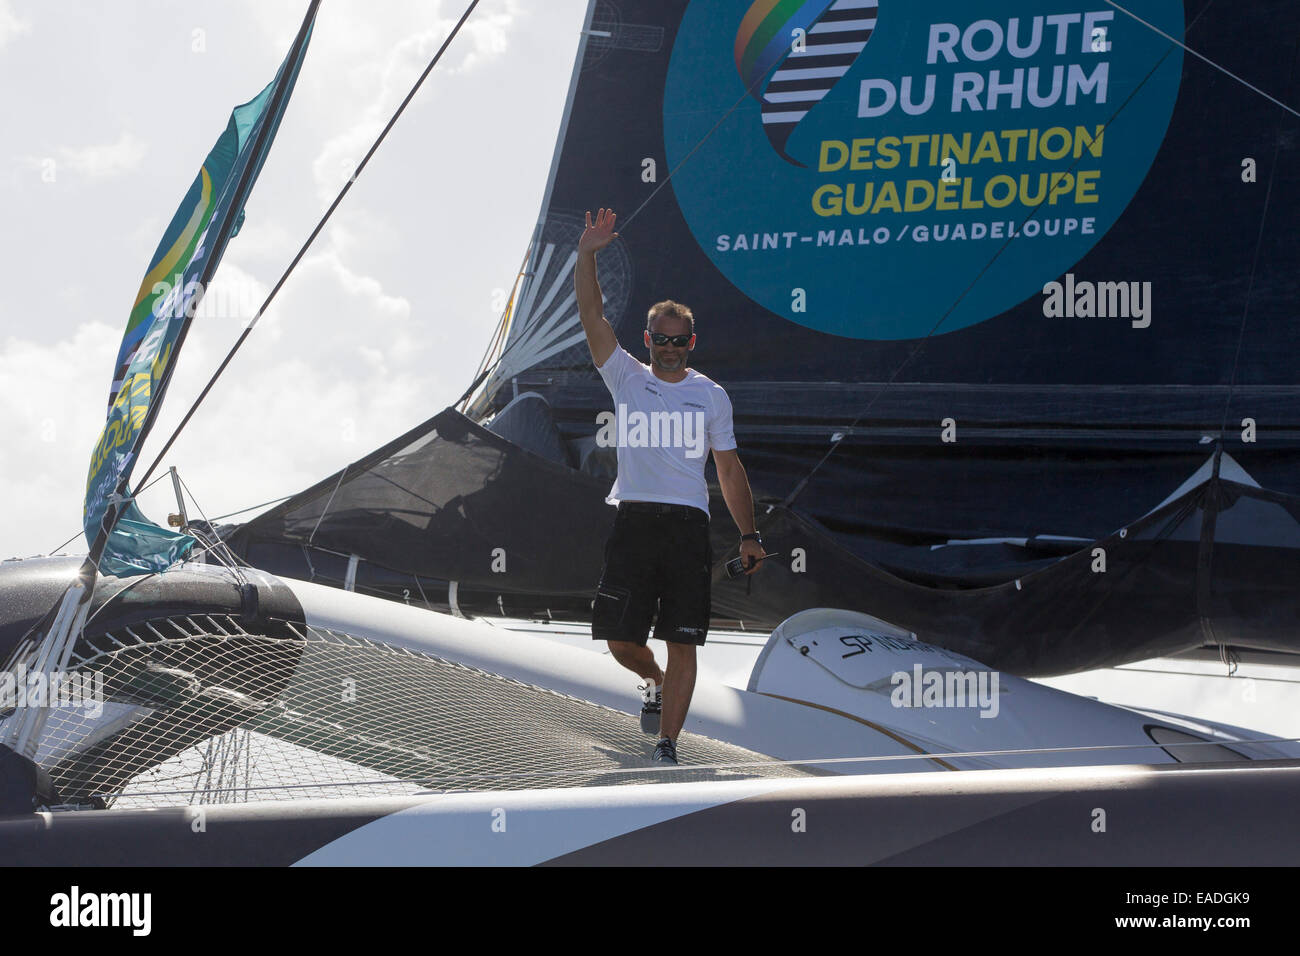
[
  {"x": 740, "y": 502},
  {"x": 735, "y": 489},
  {"x": 591, "y": 306}
]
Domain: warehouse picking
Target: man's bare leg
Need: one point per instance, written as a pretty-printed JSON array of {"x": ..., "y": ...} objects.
[
  {"x": 679, "y": 686},
  {"x": 639, "y": 659}
]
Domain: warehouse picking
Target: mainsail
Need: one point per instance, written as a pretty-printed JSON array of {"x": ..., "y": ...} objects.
[{"x": 1006, "y": 314}]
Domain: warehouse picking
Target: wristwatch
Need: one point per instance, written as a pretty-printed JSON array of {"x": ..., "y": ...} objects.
[{"x": 753, "y": 536}]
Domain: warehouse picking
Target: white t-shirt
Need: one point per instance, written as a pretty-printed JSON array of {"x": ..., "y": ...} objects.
[{"x": 663, "y": 432}]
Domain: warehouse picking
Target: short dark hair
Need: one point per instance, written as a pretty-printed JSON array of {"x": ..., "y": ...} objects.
[{"x": 669, "y": 307}]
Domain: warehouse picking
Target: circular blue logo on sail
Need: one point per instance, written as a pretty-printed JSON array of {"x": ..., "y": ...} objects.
[{"x": 892, "y": 167}]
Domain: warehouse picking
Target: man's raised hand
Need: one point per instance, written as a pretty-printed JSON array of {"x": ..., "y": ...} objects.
[
  {"x": 600, "y": 335},
  {"x": 599, "y": 234}
]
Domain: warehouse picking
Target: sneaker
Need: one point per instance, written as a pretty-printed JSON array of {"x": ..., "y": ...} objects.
[
  {"x": 652, "y": 705},
  {"x": 665, "y": 751}
]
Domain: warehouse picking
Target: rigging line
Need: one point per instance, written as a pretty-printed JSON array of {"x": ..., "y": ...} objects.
[
  {"x": 500, "y": 333},
  {"x": 311, "y": 238},
  {"x": 324, "y": 511},
  {"x": 1168, "y": 673},
  {"x": 1202, "y": 57},
  {"x": 493, "y": 344},
  {"x": 482, "y": 375},
  {"x": 213, "y": 551},
  {"x": 424, "y": 596},
  {"x": 317, "y": 547},
  {"x": 506, "y": 313},
  {"x": 273, "y": 501},
  {"x": 310, "y": 567},
  {"x": 1250, "y": 288},
  {"x": 844, "y": 433},
  {"x": 230, "y": 555},
  {"x": 83, "y": 531},
  {"x": 1229, "y": 659},
  {"x": 762, "y": 76},
  {"x": 1171, "y": 524}
]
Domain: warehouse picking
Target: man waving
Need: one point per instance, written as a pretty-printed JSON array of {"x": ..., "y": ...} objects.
[{"x": 658, "y": 558}]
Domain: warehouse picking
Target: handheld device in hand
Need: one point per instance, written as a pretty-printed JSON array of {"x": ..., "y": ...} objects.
[{"x": 736, "y": 566}]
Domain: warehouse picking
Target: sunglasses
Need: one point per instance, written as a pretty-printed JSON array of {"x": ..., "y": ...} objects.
[{"x": 680, "y": 341}]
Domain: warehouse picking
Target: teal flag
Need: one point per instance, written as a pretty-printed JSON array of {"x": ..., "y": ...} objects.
[{"x": 182, "y": 266}]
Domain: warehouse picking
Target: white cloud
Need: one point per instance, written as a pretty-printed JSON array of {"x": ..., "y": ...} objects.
[
  {"x": 231, "y": 299},
  {"x": 53, "y": 399},
  {"x": 110, "y": 159},
  {"x": 10, "y": 24},
  {"x": 489, "y": 34},
  {"x": 337, "y": 373},
  {"x": 103, "y": 161},
  {"x": 405, "y": 57}
]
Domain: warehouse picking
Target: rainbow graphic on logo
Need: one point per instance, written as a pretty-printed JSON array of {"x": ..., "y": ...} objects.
[{"x": 790, "y": 73}]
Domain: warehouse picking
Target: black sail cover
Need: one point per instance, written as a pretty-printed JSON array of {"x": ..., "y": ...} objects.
[{"x": 1003, "y": 293}]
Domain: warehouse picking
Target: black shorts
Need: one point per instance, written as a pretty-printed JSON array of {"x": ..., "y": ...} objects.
[{"x": 655, "y": 561}]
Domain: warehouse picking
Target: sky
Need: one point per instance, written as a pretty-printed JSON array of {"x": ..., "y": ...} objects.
[{"x": 109, "y": 109}]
